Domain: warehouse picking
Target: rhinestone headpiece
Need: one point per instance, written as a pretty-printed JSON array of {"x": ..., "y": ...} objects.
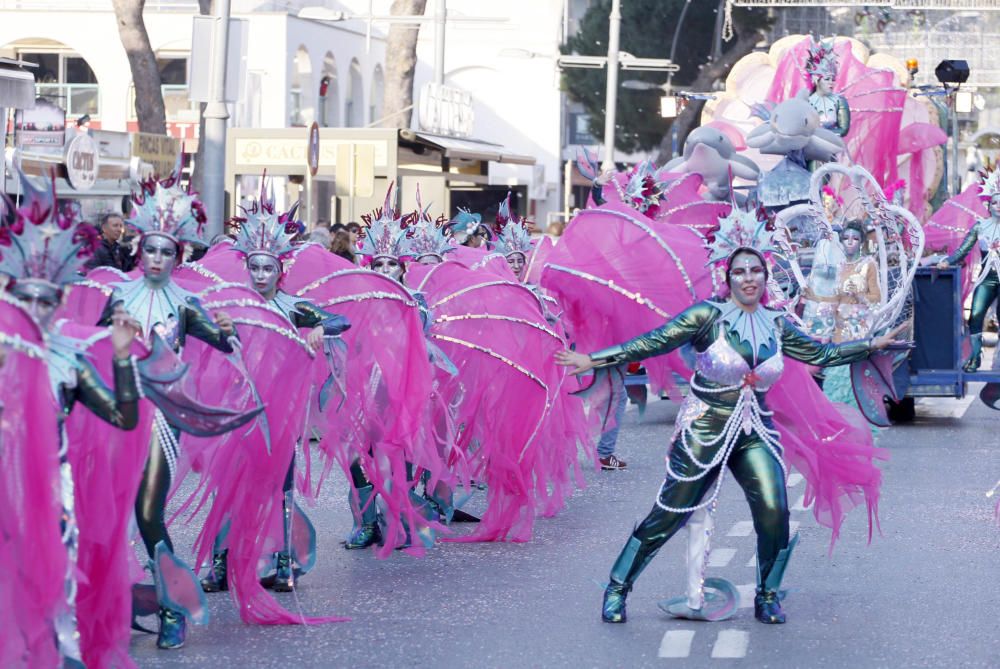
[
  {"x": 821, "y": 60},
  {"x": 41, "y": 242},
  {"x": 385, "y": 233},
  {"x": 740, "y": 229},
  {"x": 428, "y": 236},
  {"x": 263, "y": 231},
  {"x": 162, "y": 207},
  {"x": 512, "y": 231},
  {"x": 989, "y": 184}
]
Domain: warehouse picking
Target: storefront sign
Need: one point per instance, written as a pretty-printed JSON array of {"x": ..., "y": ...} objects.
[
  {"x": 444, "y": 110},
  {"x": 82, "y": 162},
  {"x": 312, "y": 152},
  {"x": 160, "y": 151},
  {"x": 41, "y": 127},
  {"x": 252, "y": 153}
]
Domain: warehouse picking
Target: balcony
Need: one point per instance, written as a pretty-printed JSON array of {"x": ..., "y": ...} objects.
[{"x": 76, "y": 99}]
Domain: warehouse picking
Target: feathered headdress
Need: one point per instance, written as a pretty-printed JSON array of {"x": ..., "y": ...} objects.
[
  {"x": 643, "y": 188},
  {"x": 263, "y": 231},
  {"x": 162, "y": 207},
  {"x": 740, "y": 228},
  {"x": 821, "y": 61},
  {"x": 512, "y": 231},
  {"x": 428, "y": 236},
  {"x": 385, "y": 232},
  {"x": 989, "y": 184},
  {"x": 41, "y": 242},
  {"x": 464, "y": 225}
]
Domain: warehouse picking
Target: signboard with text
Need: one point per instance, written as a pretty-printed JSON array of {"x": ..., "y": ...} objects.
[
  {"x": 160, "y": 151},
  {"x": 444, "y": 110},
  {"x": 41, "y": 127}
]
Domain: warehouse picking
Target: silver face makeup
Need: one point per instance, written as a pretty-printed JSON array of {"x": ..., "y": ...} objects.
[
  {"x": 429, "y": 259},
  {"x": 824, "y": 85},
  {"x": 41, "y": 300},
  {"x": 159, "y": 257},
  {"x": 994, "y": 206},
  {"x": 747, "y": 279},
  {"x": 516, "y": 262},
  {"x": 851, "y": 241},
  {"x": 387, "y": 266},
  {"x": 264, "y": 274}
]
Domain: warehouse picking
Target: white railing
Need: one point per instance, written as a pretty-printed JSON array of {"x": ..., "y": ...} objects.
[{"x": 76, "y": 99}]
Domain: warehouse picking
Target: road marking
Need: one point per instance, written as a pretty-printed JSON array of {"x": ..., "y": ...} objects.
[
  {"x": 794, "y": 479},
  {"x": 731, "y": 644},
  {"x": 747, "y": 593},
  {"x": 752, "y": 562},
  {"x": 676, "y": 643},
  {"x": 720, "y": 557},
  {"x": 741, "y": 529},
  {"x": 801, "y": 504},
  {"x": 793, "y": 527}
]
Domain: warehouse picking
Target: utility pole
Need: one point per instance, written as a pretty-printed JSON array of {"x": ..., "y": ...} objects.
[
  {"x": 440, "y": 18},
  {"x": 216, "y": 116},
  {"x": 611, "y": 99}
]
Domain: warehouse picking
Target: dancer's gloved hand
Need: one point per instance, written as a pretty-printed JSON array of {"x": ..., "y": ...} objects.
[
  {"x": 579, "y": 362},
  {"x": 225, "y": 323},
  {"x": 315, "y": 339},
  {"x": 943, "y": 264},
  {"x": 123, "y": 330},
  {"x": 888, "y": 339}
]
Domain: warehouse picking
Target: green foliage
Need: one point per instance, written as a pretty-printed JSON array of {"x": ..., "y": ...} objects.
[{"x": 646, "y": 32}]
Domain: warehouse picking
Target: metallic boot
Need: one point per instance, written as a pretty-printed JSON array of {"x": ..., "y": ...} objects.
[
  {"x": 173, "y": 629},
  {"x": 216, "y": 580},
  {"x": 284, "y": 578},
  {"x": 767, "y": 602},
  {"x": 366, "y": 531},
  {"x": 976, "y": 353},
  {"x": 630, "y": 563}
]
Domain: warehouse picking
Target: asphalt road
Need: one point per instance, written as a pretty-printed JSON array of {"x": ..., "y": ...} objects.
[{"x": 924, "y": 594}]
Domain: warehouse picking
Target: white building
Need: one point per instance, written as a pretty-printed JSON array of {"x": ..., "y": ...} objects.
[{"x": 300, "y": 71}]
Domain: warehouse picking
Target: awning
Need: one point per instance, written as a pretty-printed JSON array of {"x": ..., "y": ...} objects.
[
  {"x": 17, "y": 85},
  {"x": 467, "y": 149}
]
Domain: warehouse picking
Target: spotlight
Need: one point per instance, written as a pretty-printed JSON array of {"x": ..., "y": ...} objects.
[{"x": 952, "y": 71}]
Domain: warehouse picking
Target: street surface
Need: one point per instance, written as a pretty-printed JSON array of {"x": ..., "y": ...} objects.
[{"x": 924, "y": 594}]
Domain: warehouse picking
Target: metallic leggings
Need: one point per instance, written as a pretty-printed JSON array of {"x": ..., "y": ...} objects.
[
  {"x": 754, "y": 468},
  {"x": 985, "y": 294},
  {"x": 151, "y": 502}
]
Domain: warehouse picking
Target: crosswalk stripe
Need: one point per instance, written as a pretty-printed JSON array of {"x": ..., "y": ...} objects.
[
  {"x": 747, "y": 592},
  {"x": 676, "y": 643},
  {"x": 752, "y": 562},
  {"x": 731, "y": 644},
  {"x": 720, "y": 557},
  {"x": 800, "y": 505},
  {"x": 794, "y": 479},
  {"x": 741, "y": 529}
]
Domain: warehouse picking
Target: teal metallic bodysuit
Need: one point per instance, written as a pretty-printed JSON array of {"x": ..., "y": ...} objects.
[
  {"x": 985, "y": 232},
  {"x": 724, "y": 421}
]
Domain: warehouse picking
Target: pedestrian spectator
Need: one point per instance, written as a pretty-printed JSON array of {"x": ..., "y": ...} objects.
[
  {"x": 111, "y": 252},
  {"x": 320, "y": 236},
  {"x": 609, "y": 439},
  {"x": 342, "y": 246},
  {"x": 337, "y": 227},
  {"x": 354, "y": 230}
]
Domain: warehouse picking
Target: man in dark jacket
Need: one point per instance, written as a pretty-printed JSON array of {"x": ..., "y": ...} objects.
[{"x": 110, "y": 252}]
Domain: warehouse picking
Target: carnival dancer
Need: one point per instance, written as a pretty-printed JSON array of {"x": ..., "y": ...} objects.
[
  {"x": 739, "y": 344},
  {"x": 43, "y": 250},
  {"x": 513, "y": 238},
  {"x": 263, "y": 247},
  {"x": 984, "y": 235},
  {"x": 167, "y": 218},
  {"x": 821, "y": 72},
  {"x": 430, "y": 242}
]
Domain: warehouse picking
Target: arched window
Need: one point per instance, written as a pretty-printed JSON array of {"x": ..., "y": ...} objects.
[
  {"x": 354, "y": 111},
  {"x": 300, "y": 107},
  {"x": 377, "y": 99},
  {"x": 328, "y": 109}
]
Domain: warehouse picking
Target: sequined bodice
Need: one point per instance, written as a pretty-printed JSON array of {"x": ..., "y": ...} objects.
[
  {"x": 156, "y": 309},
  {"x": 989, "y": 236},
  {"x": 722, "y": 365}
]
